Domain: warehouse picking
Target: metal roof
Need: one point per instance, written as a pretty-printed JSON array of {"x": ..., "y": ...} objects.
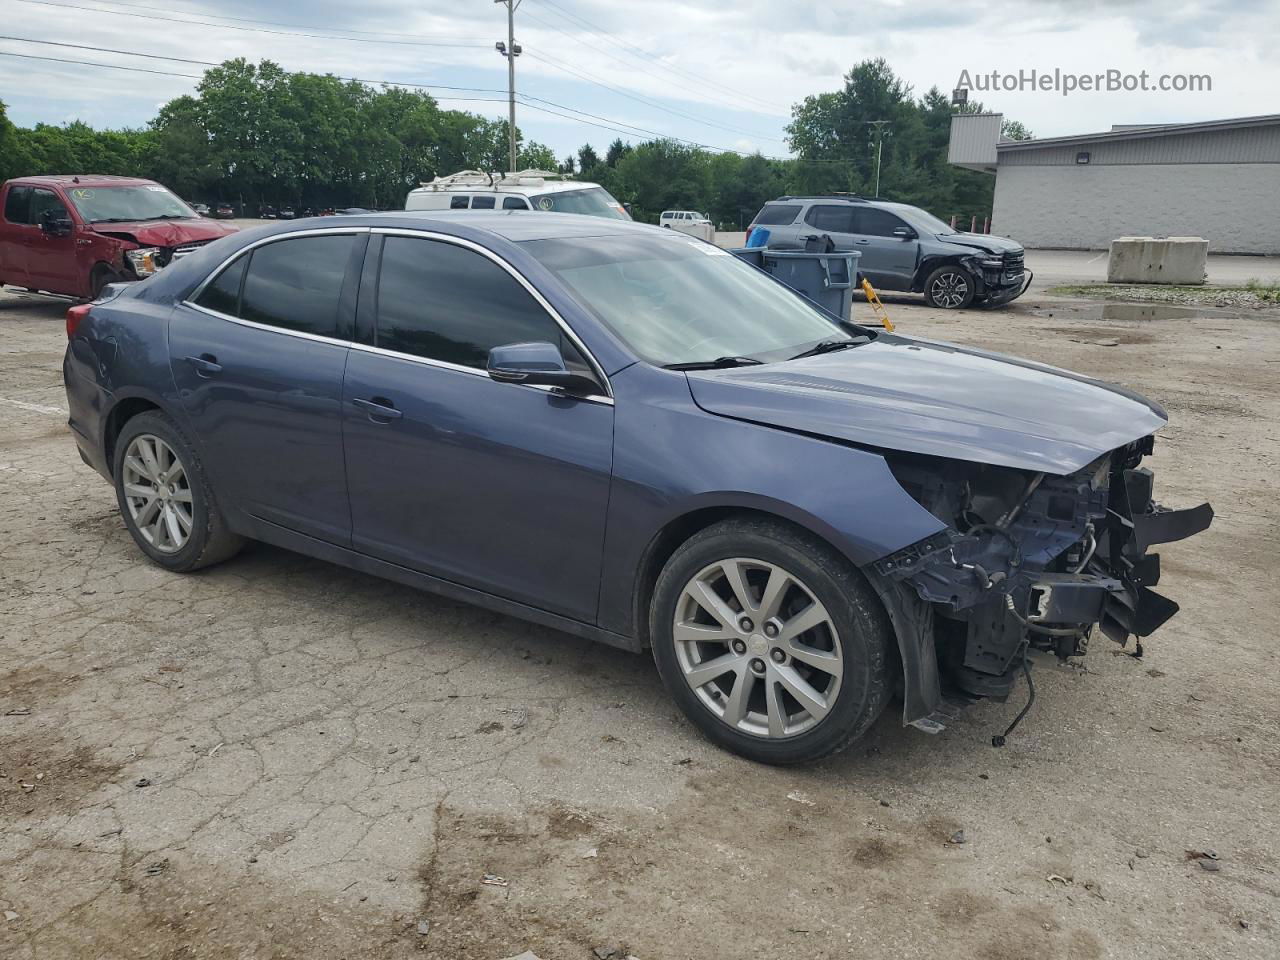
[{"x": 1140, "y": 133}]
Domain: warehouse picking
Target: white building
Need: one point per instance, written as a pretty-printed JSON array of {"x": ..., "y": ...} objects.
[{"x": 1219, "y": 180}]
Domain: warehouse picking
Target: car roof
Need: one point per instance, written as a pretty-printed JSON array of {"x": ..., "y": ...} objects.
[
  {"x": 516, "y": 226},
  {"x": 520, "y": 189},
  {"x": 83, "y": 180}
]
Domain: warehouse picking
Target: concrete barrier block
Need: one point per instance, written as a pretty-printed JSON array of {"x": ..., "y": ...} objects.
[{"x": 1172, "y": 260}]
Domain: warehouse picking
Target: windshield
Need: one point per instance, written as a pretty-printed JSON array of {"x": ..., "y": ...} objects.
[
  {"x": 148, "y": 201},
  {"x": 673, "y": 299},
  {"x": 593, "y": 201},
  {"x": 927, "y": 223}
]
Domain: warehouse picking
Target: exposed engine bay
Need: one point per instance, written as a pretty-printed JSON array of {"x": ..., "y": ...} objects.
[{"x": 1035, "y": 561}]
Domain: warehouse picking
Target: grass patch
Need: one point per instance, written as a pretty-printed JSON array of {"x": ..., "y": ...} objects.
[{"x": 1253, "y": 293}]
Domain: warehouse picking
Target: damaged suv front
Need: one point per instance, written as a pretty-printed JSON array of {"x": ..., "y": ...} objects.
[{"x": 1033, "y": 560}]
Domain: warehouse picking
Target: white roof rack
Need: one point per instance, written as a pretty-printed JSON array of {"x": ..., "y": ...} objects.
[{"x": 463, "y": 178}]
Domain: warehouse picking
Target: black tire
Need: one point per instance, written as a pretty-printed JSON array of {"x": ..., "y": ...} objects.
[
  {"x": 950, "y": 287},
  {"x": 99, "y": 278},
  {"x": 865, "y": 636},
  {"x": 209, "y": 540}
]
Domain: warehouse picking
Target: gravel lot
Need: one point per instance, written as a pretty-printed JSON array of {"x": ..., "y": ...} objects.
[{"x": 281, "y": 758}]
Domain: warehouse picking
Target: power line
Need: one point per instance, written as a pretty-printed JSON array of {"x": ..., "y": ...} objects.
[
  {"x": 641, "y": 53},
  {"x": 639, "y": 99},
  {"x": 289, "y": 33},
  {"x": 736, "y": 104},
  {"x": 192, "y": 76}
]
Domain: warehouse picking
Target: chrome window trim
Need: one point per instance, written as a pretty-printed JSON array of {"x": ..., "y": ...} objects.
[
  {"x": 519, "y": 278},
  {"x": 413, "y": 358}
]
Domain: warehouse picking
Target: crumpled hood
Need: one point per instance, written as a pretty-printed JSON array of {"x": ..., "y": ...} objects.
[
  {"x": 985, "y": 242},
  {"x": 167, "y": 233},
  {"x": 920, "y": 396}
]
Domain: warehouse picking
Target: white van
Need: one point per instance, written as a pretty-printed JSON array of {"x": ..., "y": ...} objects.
[
  {"x": 689, "y": 221},
  {"x": 525, "y": 190}
]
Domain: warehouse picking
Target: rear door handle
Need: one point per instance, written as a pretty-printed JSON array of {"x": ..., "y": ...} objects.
[
  {"x": 378, "y": 408},
  {"x": 206, "y": 364},
  {"x": 863, "y": 242}
]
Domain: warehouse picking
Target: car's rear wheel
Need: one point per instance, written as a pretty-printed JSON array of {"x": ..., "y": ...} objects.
[
  {"x": 771, "y": 643},
  {"x": 949, "y": 288},
  {"x": 165, "y": 496}
]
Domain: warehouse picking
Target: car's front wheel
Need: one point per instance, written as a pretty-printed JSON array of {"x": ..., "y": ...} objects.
[
  {"x": 771, "y": 643},
  {"x": 166, "y": 498},
  {"x": 949, "y": 287}
]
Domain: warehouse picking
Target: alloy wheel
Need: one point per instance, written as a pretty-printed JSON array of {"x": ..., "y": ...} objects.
[
  {"x": 758, "y": 648},
  {"x": 157, "y": 493},
  {"x": 949, "y": 290}
]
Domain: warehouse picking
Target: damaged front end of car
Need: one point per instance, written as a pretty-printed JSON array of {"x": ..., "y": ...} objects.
[{"x": 1032, "y": 561}]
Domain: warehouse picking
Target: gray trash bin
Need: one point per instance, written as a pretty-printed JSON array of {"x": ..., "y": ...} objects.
[{"x": 828, "y": 279}]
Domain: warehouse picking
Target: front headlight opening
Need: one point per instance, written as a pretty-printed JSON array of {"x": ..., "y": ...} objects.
[{"x": 143, "y": 260}]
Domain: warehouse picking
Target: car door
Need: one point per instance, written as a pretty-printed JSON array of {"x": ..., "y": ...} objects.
[
  {"x": 15, "y": 235},
  {"x": 888, "y": 261},
  {"x": 51, "y": 257},
  {"x": 496, "y": 486},
  {"x": 258, "y": 357}
]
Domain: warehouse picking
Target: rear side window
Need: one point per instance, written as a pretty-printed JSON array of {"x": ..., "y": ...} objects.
[
  {"x": 514, "y": 203},
  {"x": 444, "y": 302},
  {"x": 295, "y": 284},
  {"x": 458, "y": 203},
  {"x": 17, "y": 205},
  {"x": 877, "y": 223},
  {"x": 223, "y": 294},
  {"x": 832, "y": 218},
  {"x": 776, "y": 214},
  {"x": 482, "y": 203}
]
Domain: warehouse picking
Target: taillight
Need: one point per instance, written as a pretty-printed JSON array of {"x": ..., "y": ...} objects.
[{"x": 74, "y": 316}]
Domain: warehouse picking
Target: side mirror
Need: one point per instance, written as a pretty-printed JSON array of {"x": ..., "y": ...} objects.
[
  {"x": 54, "y": 225},
  {"x": 536, "y": 364},
  {"x": 904, "y": 233}
]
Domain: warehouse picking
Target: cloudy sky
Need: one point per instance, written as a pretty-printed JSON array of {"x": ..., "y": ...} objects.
[{"x": 714, "y": 73}]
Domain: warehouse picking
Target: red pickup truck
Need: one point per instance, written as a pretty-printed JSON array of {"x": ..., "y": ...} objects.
[{"x": 72, "y": 235}]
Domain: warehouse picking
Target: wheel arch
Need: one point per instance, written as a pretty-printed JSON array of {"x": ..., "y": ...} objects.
[
  {"x": 931, "y": 263},
  {"x": 910, "y": 618},
  {"x": 122, "y": 411}
]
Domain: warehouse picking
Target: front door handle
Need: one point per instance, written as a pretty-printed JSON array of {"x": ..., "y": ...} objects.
[
  {"x": 206, "y": 364},
  {"x": 378, "y": 408},
  {"x": 862, "y": 242}
]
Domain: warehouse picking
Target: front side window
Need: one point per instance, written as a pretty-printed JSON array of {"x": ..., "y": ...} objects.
[
  {"x": 46, "y": 203},
  {"x": 17, "y": 205},
  {"x": 672, "y": 299},
  {"x": 877, "y": 223},
  {"x": 127, "y": 204},
  {"x": 514, "y": 203},
  {"x": 445, "y": 302},
  {"x": 831, "y": 218},
  {"x": 295, "y": 284}
]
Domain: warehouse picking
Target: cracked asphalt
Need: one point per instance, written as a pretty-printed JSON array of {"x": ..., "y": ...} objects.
[{"x": 280, "y": 758}]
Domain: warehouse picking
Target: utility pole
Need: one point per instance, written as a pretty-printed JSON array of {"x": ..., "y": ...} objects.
[
  {"x": 879, "y": 125},
  {"x": 510, "y": 50}
]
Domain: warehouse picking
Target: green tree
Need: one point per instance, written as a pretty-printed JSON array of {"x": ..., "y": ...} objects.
[{"x": 588, "y": 159}]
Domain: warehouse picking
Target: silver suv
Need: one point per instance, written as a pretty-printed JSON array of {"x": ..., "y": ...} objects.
[{"x": 903, "y": 248}]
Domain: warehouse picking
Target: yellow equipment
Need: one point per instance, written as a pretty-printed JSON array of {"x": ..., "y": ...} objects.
[{"x": 876, "y": 306}]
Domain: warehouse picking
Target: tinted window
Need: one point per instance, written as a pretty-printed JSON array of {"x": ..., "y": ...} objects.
[
  {"x": 17, "y": 205},
  {"x": 831, "y": 218},
  {"x": 458, "y": 203},
  {"x": 514, "y": 203},
  {"x": 444, "y": 302},
  {"x": 295, "y": 284},
  {"x": 46, "y": 202},
  {"x": 223, "y": 294},
  {"x": 482, "y": 203},
  {"x": 877, "y": 223},
  {"x": 776, "y": 214}
]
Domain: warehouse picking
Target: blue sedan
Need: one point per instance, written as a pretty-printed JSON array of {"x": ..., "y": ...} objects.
[{"x": 633, "y": 436}]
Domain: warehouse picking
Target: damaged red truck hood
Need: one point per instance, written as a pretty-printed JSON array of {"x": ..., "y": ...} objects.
[{"x": 166, "y": 233}]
